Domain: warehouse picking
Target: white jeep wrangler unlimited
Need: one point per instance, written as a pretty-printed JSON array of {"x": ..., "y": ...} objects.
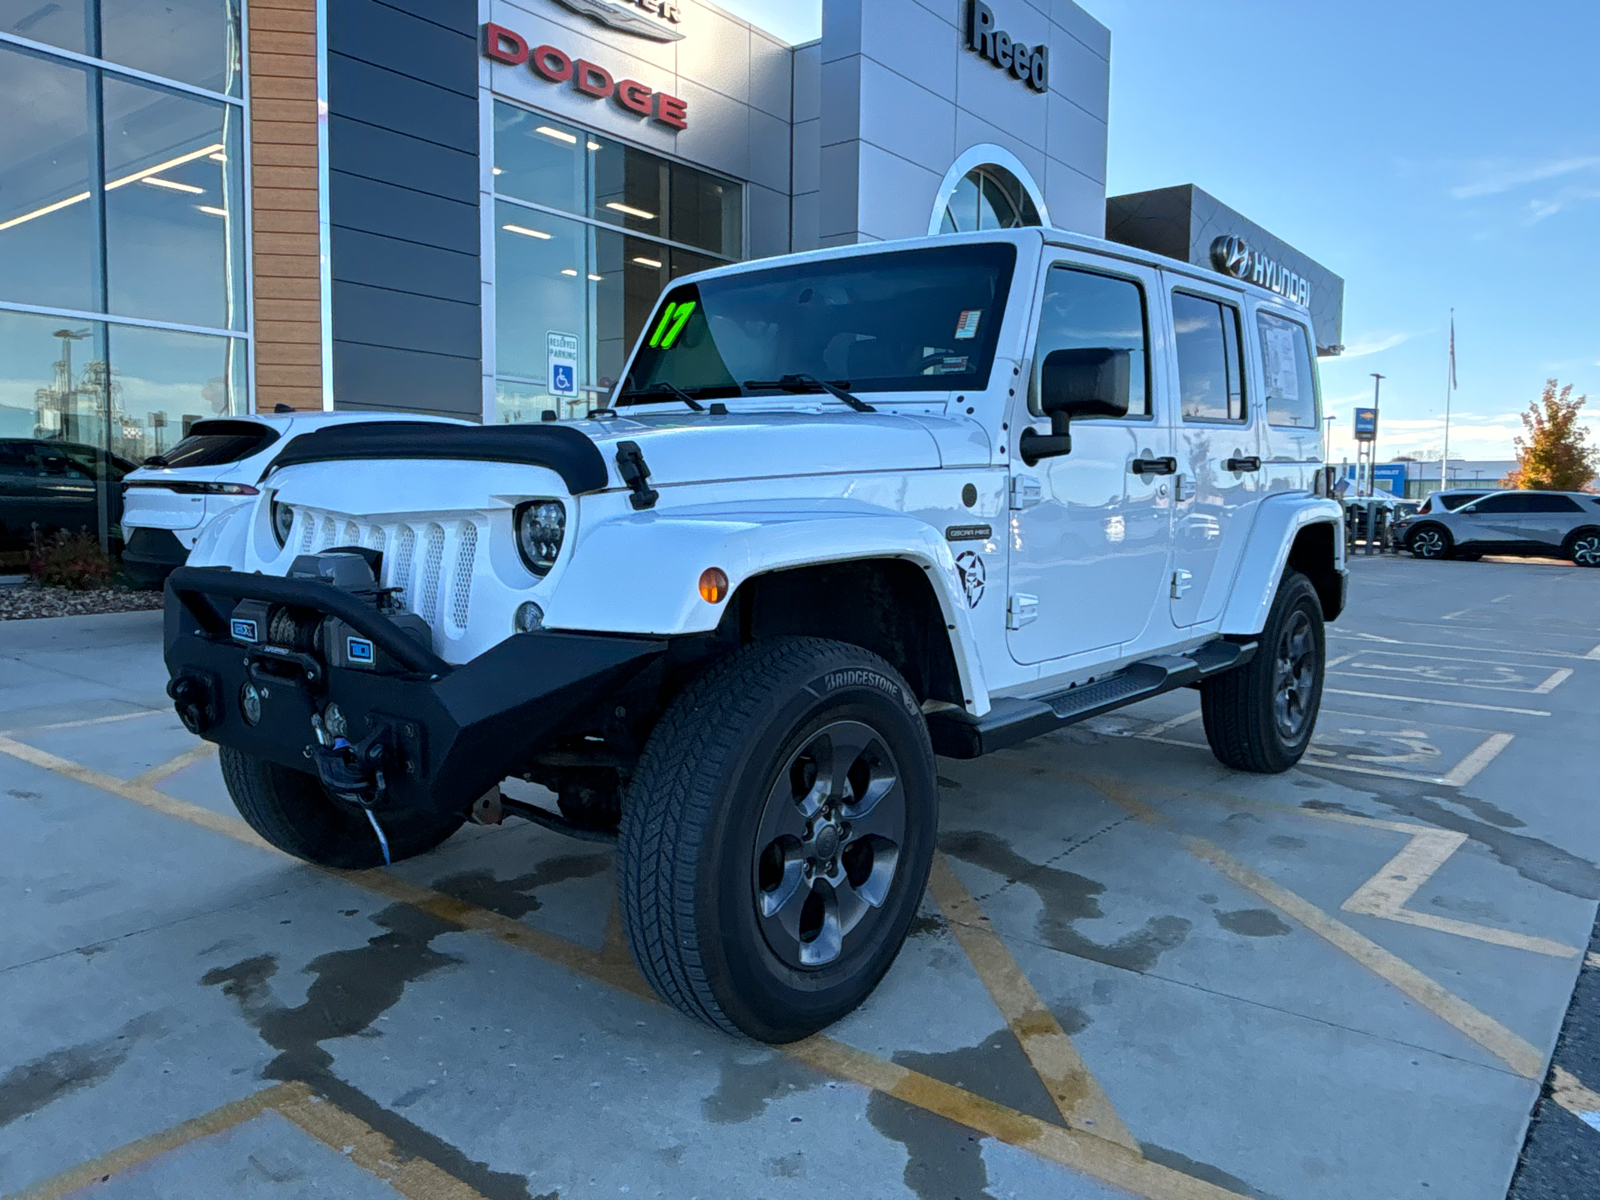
[{"x": 847, "y": 510}]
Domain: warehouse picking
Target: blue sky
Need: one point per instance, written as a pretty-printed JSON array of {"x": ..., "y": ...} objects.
[{"x": 1434, "y": 154}]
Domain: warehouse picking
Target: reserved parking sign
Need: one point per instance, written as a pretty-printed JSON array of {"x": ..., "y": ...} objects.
[{"x": 563, "y": 357}]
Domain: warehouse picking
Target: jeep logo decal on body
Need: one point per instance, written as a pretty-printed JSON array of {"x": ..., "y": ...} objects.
[{"x": 969, "y": 565}]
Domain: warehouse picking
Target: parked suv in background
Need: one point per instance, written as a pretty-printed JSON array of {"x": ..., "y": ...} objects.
[
  {"x": 1451, "y": 499},
  {"x": 167, "y": 503},
  {"x": 1534, "y": 524},
  {"x": 51, "y": 487}
]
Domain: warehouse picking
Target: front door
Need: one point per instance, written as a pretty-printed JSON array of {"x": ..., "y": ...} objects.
[
  {"x": 1090, "y": 531},
  {"x": 1219, "y": 453}
]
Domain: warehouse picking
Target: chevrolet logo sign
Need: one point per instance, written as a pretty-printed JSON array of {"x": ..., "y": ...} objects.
[{"x": 630, "y": 17}]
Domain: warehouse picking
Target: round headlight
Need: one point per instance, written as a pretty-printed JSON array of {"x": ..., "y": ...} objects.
[
  {"x": 282, "y": 522},
  {"x": 541, "y": 524}
]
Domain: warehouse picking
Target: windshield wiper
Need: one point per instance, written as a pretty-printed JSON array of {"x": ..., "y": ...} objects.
[
  {"x": 809, "y": 383},
  {"x": 665, "y": 389}
]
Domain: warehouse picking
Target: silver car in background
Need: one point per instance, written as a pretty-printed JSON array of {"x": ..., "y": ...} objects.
[{"x": 1528, "y": 523}]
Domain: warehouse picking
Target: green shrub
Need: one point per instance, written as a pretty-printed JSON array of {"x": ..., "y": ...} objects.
[{"x": 70, "y": 560}]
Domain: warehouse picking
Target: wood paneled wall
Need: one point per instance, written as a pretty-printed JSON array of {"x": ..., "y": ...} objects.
[{"x": 283, "y": 148}]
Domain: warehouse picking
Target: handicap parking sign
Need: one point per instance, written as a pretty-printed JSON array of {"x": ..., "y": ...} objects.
[{"x": 563, "y": 358}]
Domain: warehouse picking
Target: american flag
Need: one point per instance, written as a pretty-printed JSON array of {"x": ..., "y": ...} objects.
[{"x": 1452, "y": 351}]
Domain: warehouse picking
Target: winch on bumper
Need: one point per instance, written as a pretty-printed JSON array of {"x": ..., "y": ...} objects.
[{"x": 312, "y": 675}]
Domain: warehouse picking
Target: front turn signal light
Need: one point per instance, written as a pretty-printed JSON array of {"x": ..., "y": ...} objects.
[{"x": 713, "y": 585}]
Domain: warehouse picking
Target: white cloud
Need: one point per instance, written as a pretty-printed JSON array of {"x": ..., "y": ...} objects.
[
  {"x": 1504, "y": 177},
  {"x": 1374, "y": 344}
]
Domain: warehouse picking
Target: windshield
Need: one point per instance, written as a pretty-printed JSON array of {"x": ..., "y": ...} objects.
[
  {"x": 217, "y": 443},
  {"x": 903, "y": 321}
]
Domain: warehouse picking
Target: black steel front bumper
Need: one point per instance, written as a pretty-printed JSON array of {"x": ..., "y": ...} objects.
[{"x": 422, "y": 733}]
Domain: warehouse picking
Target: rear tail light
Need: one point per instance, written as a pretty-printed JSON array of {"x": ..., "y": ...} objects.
[{"x": 191, "y": 488}]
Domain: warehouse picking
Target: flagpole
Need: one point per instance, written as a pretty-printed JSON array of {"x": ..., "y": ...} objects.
[{"x": 1449, "y": 386}]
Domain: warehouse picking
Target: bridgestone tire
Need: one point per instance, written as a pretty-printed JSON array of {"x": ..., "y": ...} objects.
[
  {"x": 690, "y": 871},
  {"x": 1240, "y": 708},
  {"x": 292, "y": 811}
]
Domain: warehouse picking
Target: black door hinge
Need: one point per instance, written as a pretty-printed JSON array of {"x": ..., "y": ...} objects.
[{"x": 636, "y": 474}]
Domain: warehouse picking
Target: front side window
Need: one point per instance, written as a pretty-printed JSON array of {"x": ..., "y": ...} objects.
[
  {"x": 1084, "y": 310},
  {"x": 1210, "y": 382},
  {"x": 909, "y": 320},
  {"x": 1506, "y": 502},
  {"x": 1286, "y": 372}
]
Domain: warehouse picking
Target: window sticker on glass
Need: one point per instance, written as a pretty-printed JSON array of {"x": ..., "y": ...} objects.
[
  {"x": 950, "y": 364},
  {"x": 1283, "y": 378},
  {"x": 967, "y": 323},
  {"x": 673, "y": 319}
]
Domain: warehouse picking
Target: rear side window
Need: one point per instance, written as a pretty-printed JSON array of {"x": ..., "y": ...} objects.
[
  {"x": 1084, "y": 310},
  {"x": 1290, "y": 383},
  {"x": 1552, "y": 504},
  {"x": 218, "y": 443},
  {"x": 1210, "y": 363},
  {"x": 1451, "y": 503}
]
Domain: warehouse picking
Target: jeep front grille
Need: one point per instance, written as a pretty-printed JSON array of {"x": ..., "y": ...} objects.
[{"x": 441, "y": 597}]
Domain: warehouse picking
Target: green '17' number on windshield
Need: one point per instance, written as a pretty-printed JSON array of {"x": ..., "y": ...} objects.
[{"x": 671, "y": 324}]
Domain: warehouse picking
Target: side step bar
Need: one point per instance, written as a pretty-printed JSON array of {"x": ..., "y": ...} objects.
[{"x": 958, "y": 735}]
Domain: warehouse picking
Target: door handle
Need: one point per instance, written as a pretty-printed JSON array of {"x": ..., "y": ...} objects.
[
  {"x": 1243, "y": 463},
  {"x": 1154, "y": 466}
]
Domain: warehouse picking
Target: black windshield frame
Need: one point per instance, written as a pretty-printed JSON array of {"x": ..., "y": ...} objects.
[{"x": 911, "y": 311}]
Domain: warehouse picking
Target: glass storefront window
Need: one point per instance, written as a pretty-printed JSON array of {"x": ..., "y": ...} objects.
[
  {"x": 192, "y": 41},
  {"x": 595, "y": 273},
  {"x": 173, "y": 207},
  {"x": 47, "y": 216},
  {"x": 67, "y": 23},
  {"x": 163, "y": 381}
]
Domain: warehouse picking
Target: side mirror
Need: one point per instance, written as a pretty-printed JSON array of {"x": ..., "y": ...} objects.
[{"x": 1077, "y": 383}]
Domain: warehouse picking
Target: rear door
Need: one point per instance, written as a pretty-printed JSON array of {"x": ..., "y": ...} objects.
[
  {"x": 1550, "y": 517},
  {"x": 1291, "y": 411},
  {"x": 1218, "y": 448}
]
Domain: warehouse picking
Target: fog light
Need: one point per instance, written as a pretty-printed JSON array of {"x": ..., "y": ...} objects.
[
  {"x": 713, "y": 585},
  {"x": 529, "y": 617},
  {"x": 250, "y": 703}
]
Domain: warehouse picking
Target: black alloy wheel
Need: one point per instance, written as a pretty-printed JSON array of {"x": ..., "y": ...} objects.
[
  {"x": 1583, "y": 548},
  {"x": 828, "y": 844},
  {"x": 1294, "y": 676},
  {"x": 1429, "y": 541},
  {"x": 776, "y": 837}
]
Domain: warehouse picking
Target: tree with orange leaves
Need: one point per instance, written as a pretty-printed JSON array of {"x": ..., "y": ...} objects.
[{"x": 1555, "y": 456}]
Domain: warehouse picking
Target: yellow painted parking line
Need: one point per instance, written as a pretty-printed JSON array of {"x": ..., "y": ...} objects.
[
  {"x": 412, "y": 1176},
  {"x": 134, "y": 1154},
  {"x": 1386, "y": 893},
  {"x": 1082, "y": 1102},
  {"x": 139, "y": 793},
  {"x": 172, "y": 766},
  {"x": 1524, "y": 712},
  {"x": 1516, "y": 1052},
  {"x": 1090, "y": 1153},
  {"x": 1595, "y": 653},
  {"x": 1154, "y": 731},
  {"x": 128, "y": 716},
  {"x": 1568, "y": 1091}
]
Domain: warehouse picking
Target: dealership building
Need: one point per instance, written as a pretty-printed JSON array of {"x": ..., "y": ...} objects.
[{"x": 469, "y": 207}]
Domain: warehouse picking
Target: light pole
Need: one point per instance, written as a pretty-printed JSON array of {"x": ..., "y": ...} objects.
[{"x": 1372, "y": 448}]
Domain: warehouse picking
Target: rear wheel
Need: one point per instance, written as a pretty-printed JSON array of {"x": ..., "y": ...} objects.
[
  {"x": 1583, "y": 547},
  {"x": 776, "y": 837},
  {"x": 1430, "y": 541},
  {"x": 294, "y": 812},
  {"x": 1260, "y": 717}
]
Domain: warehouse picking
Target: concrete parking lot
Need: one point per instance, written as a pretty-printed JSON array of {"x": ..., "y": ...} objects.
[{"x": 1135, "y": 973}]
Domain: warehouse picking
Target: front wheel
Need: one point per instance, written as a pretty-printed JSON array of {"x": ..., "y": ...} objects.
[
  {"x": 1430, "y": 541},
  {"x": 294, "y": 812},
  {"x": 1260, "y": 717},
  {"x": 776, "y": 837},
  {"x": 1583, "y": 547}
]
